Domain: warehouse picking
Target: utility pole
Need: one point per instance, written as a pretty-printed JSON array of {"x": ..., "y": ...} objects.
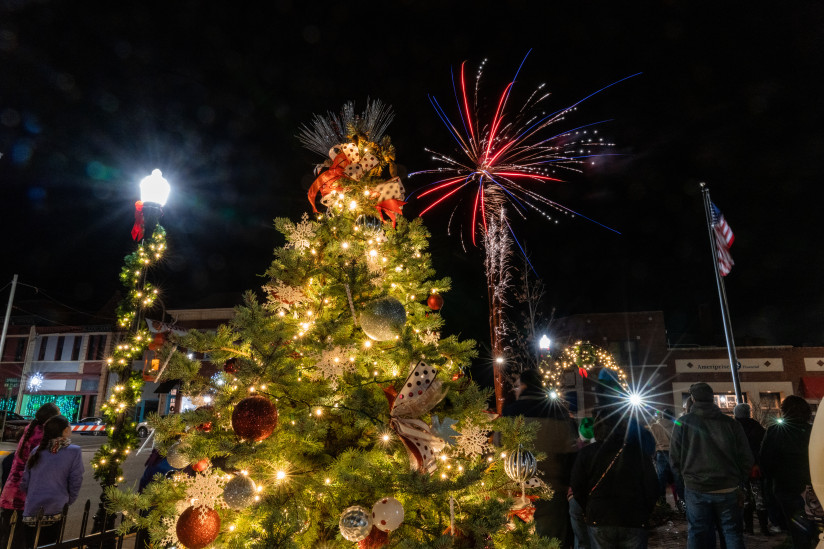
[{"x": 3, "y": 344}]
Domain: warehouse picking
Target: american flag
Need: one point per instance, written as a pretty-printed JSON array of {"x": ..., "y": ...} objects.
[{"x": 723, "y": 240}]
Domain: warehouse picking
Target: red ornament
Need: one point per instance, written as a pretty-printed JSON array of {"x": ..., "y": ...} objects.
[
  {"x": 583, "y": 372},
  {"x": 254, "y": 418},
  {"x": 158, "y": 341},
  {"x": 197, "y": 528},
  {"x": 230, "y": 366},
  {"x": 201, "y": 465},
  {"x": 435, "y": 302},
  {"x": 207, "y": 425},
  {"x": 375, "y": 540}
]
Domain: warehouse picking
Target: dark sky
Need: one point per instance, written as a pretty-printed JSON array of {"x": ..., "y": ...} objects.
[{"x": 95, "y": 95}]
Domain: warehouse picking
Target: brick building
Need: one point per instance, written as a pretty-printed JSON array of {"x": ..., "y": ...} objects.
[{"x": 638, "y": 342}]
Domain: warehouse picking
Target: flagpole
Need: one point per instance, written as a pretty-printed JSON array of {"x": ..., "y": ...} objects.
[{"x": 722, "y": 297}]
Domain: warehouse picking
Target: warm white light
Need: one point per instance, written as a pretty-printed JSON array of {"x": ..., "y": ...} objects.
[
  {"x": 635, "y": 399},
  {"x": 280, "y": 475},
  {"x": 499, "y": 360},
  {"x": 543, "y": 344},
  {"x": 154, "y": 188}
]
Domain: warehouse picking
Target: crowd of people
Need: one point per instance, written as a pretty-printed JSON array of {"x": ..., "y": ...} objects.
[{"x": 608, "y": 472}]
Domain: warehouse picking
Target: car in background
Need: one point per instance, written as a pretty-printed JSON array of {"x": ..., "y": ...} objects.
[
  {"x": 90, "y": 426},
  {"x": 143, "y": 429},
  {"x": 14, "y": 425}
]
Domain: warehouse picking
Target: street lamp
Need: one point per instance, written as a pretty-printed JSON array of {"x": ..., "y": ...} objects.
[
  {"x": 154, "y": 192},
  {"x": 544, "y": 343}
]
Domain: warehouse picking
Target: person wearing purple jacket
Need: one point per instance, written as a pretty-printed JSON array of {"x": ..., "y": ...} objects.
[
  {"x": 12, "y": 499},
  {"x": 51, "y": 480}
]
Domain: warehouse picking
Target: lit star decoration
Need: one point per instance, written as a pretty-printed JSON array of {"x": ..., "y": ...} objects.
[{"x": 35, "y": 382}]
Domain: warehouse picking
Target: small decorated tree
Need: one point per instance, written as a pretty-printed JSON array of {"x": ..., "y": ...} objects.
[{"x": 342, "y": 414}]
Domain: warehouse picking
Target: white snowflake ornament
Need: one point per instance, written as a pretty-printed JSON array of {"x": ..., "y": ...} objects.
[
  {"x": 473, "y": 441},
  {"x": 282, "y": 296},
  {"x": 300, "y": 235},
  {"x": 203, "y": 491},
  {"x": 335, "y": 362}
]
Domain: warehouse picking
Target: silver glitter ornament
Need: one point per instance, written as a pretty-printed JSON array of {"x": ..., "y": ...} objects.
[
  {"x": 520, "y": 465},
  {"x": 383, "y": 319},
  {"x": 355, "y": 523},
  {"x": 239, "y": 492},
  {"x": 175, "y": 455}
]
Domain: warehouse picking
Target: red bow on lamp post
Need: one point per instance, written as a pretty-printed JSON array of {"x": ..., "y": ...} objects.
[{"x": 137, "y": 229}]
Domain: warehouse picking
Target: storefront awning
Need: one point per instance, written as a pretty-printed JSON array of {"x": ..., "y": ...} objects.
[
  {"x": 167, "y": 386},
  {"x": 812, "y": 387}
]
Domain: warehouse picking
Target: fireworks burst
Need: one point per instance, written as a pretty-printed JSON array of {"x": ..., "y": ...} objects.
[{"x": 510, "y": 159}]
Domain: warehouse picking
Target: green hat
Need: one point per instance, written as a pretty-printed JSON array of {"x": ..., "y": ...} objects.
[{"x": 585, "y": 428}]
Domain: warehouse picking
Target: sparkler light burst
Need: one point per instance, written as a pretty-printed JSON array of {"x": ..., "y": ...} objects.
[{"x": 509, "y": 159}]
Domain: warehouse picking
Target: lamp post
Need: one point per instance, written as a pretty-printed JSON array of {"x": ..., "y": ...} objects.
[{"x": 154, "y": 191}]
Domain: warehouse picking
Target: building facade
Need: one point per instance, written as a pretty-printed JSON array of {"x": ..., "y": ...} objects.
[
  {"x": 663, "y": 372},
  {"x": 61, "y": 364}
]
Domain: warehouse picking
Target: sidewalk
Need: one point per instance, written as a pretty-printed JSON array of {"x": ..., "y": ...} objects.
[{"x": 673, "y": 535}]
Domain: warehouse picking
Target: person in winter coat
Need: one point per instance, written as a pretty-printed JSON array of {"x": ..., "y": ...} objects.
[
  {"x": 52, "y": 479},
  {"x": 615, "y": 483},
  {"x": 711, "y": 453},
  {"x": 754, "y": 487},
  {"x": 12, "y": 499},
  {"x": 661, "y": 430},
  {"x": 785, "y": 461},
  {"x": 557, "y": 433}
]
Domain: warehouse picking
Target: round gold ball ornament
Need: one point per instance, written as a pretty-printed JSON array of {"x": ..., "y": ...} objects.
[
  {"x": 197, "y": 527},
  {"x": 355, "y": 523},
  {"x": 239, "y": 492},
  {"x": 383, "y": 319},
  {"x": 254, "y": 418},
  {"x": 176, "y": 457}
]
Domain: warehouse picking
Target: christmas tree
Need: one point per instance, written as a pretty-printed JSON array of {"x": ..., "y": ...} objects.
[{"x": 342, "y": 414}]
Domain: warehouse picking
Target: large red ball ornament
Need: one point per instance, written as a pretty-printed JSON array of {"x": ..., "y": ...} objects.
[
  {"x": 377, "y": 539},
  {"x": 201, "y": 465},
  {"x": 435, "y": 302},
  {"x": 254, "y": 418},
  {"x": 197, "y": 528}
]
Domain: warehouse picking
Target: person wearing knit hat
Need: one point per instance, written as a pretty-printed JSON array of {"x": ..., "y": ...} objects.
[
  {"x": 585, "y": 429},
  {"x": 711, "y": 453}
]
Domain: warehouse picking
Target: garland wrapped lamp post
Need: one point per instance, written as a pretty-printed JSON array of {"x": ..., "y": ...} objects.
[{"x": 140, "y": 296}]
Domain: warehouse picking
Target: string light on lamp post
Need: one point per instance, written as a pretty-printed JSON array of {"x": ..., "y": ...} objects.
[
  {"x": 139, "y": 297},
  {"x": 35, "y": 382}
]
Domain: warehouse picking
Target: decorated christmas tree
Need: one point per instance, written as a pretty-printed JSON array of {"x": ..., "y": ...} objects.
[{"x": 343, "y": 415}]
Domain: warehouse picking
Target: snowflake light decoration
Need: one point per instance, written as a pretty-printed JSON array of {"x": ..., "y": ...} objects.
[
  {"x": 300, "y": 235},
  {"x": 473, "y": 441},
  {"x": 334, "y": 362}
]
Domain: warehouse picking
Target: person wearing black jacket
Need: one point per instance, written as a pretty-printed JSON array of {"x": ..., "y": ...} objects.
[
  {"x": 615, "y": 482},
  {"x": 785, "y": 461}
]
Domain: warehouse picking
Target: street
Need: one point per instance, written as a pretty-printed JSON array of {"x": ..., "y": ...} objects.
[{"x": 132, "y": 469}]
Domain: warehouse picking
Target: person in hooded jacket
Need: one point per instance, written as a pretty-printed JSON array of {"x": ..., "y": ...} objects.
[{"x": 615, "y": 483}]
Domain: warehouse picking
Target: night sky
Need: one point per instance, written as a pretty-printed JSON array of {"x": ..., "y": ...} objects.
[{"x": 94, "y": 95}]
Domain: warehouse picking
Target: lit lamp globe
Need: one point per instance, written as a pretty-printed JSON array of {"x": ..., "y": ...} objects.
[
  {"x": 544, "y": 343},
  {"x": 154, "y": 192}
]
